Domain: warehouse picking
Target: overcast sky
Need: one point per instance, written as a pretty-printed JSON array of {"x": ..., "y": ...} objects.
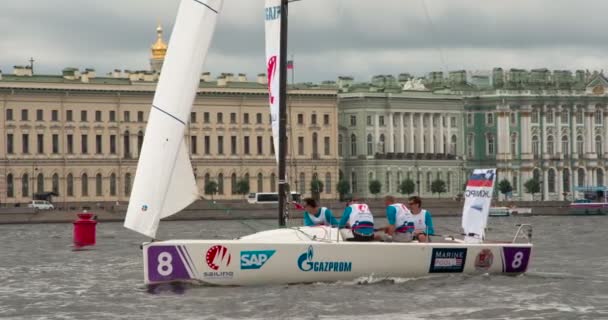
[{"x": 328, "y": 38}]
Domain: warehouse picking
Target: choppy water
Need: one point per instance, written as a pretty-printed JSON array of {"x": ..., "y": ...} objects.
[{"x": 42, "y": 278}]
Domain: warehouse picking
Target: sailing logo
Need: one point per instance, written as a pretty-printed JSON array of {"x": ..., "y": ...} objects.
[
  {"x": 255, "y": 259},
  {"x": 484, "y": 260},
  {"x": 306, "y": 263},
  {"x": 217, "y": 256},
  {"x": 272, "y": 69},
  {"x": 448, "y": 260}
]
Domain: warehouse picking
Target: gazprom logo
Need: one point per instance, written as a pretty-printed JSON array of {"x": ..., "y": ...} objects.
[
  {"x": 273, "y": 13},
  {"x": 306, "y": 263},
  {"x": 255, "y": 259}
]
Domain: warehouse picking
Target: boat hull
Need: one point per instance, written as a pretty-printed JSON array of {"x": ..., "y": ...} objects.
[{"x": 256, "y": 262}]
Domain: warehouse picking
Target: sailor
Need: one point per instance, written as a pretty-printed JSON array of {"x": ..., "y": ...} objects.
[
  {"x": 400, "y": 222},
  {"x": 423, "y": 223},
  {"x": 359, "y": 219},
  {"x": 317, "y": 216}
]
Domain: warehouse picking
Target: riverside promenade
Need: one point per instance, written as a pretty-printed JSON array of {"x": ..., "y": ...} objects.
[{"x": 231, "y": 210}]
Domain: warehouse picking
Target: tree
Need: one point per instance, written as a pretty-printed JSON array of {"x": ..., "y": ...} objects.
[
  {"x": 438, "y": 186},
  {"x": 316, "y": 187},
  {"x": 242, "y": 186},
  {"x": 211, "y": 187},
  {"x": 343, "y": 188},
  {"x": 532, "y": 186},
  {"x": 407, "y": 186},
  {"x": 504, "y": 186},
  {"x": 375, "y": 186}
]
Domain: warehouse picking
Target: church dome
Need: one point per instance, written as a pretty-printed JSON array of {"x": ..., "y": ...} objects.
[{"x": 159, "y": 48}]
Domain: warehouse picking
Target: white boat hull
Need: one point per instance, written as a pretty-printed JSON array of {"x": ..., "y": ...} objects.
[{"x": 318, "y": 254}]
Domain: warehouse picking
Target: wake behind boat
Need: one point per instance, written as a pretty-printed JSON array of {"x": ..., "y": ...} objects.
[{"x": 164, "y": 184}]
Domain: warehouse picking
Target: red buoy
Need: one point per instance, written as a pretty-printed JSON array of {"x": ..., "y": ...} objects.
[{"x": 84, "y": 230}]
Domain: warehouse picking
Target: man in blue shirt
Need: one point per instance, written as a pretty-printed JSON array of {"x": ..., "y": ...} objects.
[
  {"x": 359, "y": 219},
  {"x": 317, "y": 216}
]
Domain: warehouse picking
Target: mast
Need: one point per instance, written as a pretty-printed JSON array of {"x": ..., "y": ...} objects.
[{"x": 282, "y": 113}]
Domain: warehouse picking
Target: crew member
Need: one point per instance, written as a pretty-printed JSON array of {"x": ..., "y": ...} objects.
[
  {"x": 359, "y": 219},
  {"x": 400, "y": 222},
  {"x": 317, "y": 216},
  {"x": 423, "y": 223}
]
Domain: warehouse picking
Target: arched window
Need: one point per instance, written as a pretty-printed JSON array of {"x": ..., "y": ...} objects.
[
  {"x": 453, "y": 144},
  {"x": 140, "y": 141},
  {"x": 55, "y": 183},
  {"x": 514, "y": 143},
  {"x": 581, "y": 177},
  {"x": 315, "y": 144},
  {"x": 535, "y": 146},
  {"x": 220, "y": 183},
  {"x": 127, "y": 184},
  {"x": 273, "y": 182},
  {"x": 113, "y": 184},
  {"x": 353, "y": 145},
  {"x": 233, "y": 183},
  {"x": 598, "y": 145},
  {"x": 550, "y": 144},
  {"x": 566, "y": 180},
  {"x": 260, "y": 182},
  {"x": 328, "y": 183},
  {"x": 25, "y": 185},
  {"x": 491, "y": 145},
  {"x": 370, "y": 145},
  {"x": 70, "y": 185},
  {"x": 98, "y": 185},
  {"x": 302, "y": 183},
  {"x": 565, "y": 145},
  {"x": 10, "y": 186},
  {"x": 382, "y": 145},
  {"x": 340, "y": 145},
  {"x": 579, "y": 144},
  {"x": 599, "y": 174},
  {"x": 353, "y": 181},
  {"x": 40, "y": 183},
  {"x": 551, "y": 182},
  {"x": 84, "y": 185}
]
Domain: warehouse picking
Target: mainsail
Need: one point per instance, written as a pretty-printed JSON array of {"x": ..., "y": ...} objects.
[
  {"x": 273, "y": 28},
  {"x": 478, "y": 198},
  {"x": 164, "y": 182}
]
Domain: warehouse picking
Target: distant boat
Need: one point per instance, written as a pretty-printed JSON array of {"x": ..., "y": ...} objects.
[{"x": 593, "y": 203}]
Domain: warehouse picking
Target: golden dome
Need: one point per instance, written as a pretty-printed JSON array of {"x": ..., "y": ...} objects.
[{"x": 159, "y": 48}]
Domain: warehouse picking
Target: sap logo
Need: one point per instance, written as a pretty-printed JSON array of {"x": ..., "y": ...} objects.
[{"x": 255, "y": 259}]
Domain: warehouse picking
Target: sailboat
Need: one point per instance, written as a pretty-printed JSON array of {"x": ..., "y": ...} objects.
[{"x": 164, "y": 184}]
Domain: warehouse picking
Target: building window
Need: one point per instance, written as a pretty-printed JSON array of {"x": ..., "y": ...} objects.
[
  {"x": 233, "y": 145},
  {"x": 598, "y": 146},
  {"x": 25, "y": 143},
  {"x": 565, "y": 145},
  {"x": 581, "y": 177},
  {"x": 370, "y": 121},
  {"x": 453, "y": 122},
  {"x": 40, "y": 143},
  {"x": 24, "y": 115},
  {"x": 98, "y": 144},
  {"x": 140, "y": 116},
  {"x": 9, "y": 114},
  {"x": 193, "y": 145},
  {"x": 490, "y": 118},
  {"x": 273, "y": 182},
  {"x": 126, "y": 116},
  {"x": 9, "y": 143},
  {"x": 258, "y": 118},
  {"x": 113, "y": 144},
  {"x": 220, "y": 145},
  {"x": 70, "y": 185},
  {"x": 54, "y": 115},
  {"x": 260, "y": 145},
  {"x": 326, "y": 119},
  {"x": 382, "y": 144},
  {"x": 565, "y": 116},
  {"x": 313, "y": 119},
  {"x": 39, "y": 115},
  {"x": 246, "y": 118},
  {"x": 98, "y": 185},
  {"x": 272, "y": 145},
  {"x": 514, "y": 186},
  {"x": 301, "y": 146},
  {"x": 579, "y": 116},
  {"x": 315, "y": 144},
  {"x": 598, "y": 117},
  {"x": 370, "y": 145},
  {"x": 192, "y": 117},
  {"x": 535, "y": 145},
  {"x": 381, "y": 121},
  {"x": 233, "y": 117},
  {"x": 40, "y": 183},
  {"x": 470, "y": 145},
  {"x": 246, "y": 145},
  {"x": 513, "y": 118},
  {"x": 55, "y": 143},
  {"x": 353, "y": 120},
  {"x": 69, "y": 116},
  {"x": 112, "y": 116},
  {"x": 353, "y": 145},
  {"x": 340, "y": 145},
  {"x": 535, "y": 116},
  {"x": 514, "y": 144},
  {"x": 353, "y": 182},
  {"x": 579, "y": 145},
  {"x": 549, "y": 116},
  {"x": 491, "y": 145},
  {"x": 469, "y": 119},
  {"x": 326, "y": 146},
  {"x": 260, "y": 182},
  {"x": 328, "y": 183},
  {"x": 206, "y": 117},
  {"x": 233, "y": 183},
  {"x": 84, "y": 144},
  {"x": 97, "y": 116},
  {"x": 300, "y": 118},
  {"x": 220, "y": 117},
  {"x": 55, "y": 183},
  {"x": 113, "y": 184},
  {"x": 127, "y": 184},
  {"x": 83, "y": 116},
  {"x": 550, "y": 145},
  {"x": 207, "y": 144},
  {"x": 566, "y": 180},
  {"x": 10, "y": 186},
  {"x": 551, "y": 182},
  {"x": 84, "y": 181},
  {"x": 302, "y": 183},
  {"x": 429, "y": 179},
  {"x": 25, "y": 185},
  {"x": 70, "y": 143}
]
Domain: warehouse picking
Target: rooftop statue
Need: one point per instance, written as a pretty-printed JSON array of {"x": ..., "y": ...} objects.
[{"x": 414, "y": 85}]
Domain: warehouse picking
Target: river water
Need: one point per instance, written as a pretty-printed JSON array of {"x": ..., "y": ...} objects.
[{"x": 42, "y": 278}]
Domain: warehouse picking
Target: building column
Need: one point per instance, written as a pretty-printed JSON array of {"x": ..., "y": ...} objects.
[
  {"x": 545, "y": 186},
  {"x": 589, "y": 128},
  {"x": 412, "y": 146},
  {"x": 524, "y": 176},
  {"x": 421, "y": 135},
  {"x": 391, "y": 133},
  {"x": 431, "y": 135},
  {"x": 573, "y": 145},
  {"x": 376, "y": 139},
  {"x": 441, "y": 137},
  {"x": 605, "y": 128},
  {"x": 401, "y": 132},
  {"x": 558, "y": 133},
  {"x": 560, "y": 184},
  {"x": 526, "y": 147},
  {"x": 543, "y": 132},
  {"x": 449, "y": 135}
]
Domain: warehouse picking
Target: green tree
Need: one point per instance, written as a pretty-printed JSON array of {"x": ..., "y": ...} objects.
[
  {"x": 375, "y": 187},
  {"x": 242, "y": 186},
  {"x": 316, "y": 187},
  {"x": 407, "y": 186},
  {"x": 532, "y": 186},
  {"x": 211, "y": 188},
  {"x": 343, "y": 188},
  {"x": 438, "y": 186},
  {"x": 504, "y": 186}
]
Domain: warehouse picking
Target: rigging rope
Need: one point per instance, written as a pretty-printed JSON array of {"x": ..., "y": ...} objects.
[{"x": 434, "y": 35}]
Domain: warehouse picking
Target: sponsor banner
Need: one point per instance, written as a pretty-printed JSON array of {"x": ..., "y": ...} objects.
[
  {"x": 218, "y": 259},
  {"x": 168, "y": 263},
  {"x": 251, "y": 260},
  {"x": 445, "y": 260},
  {"x": 484, "y": 260},
  {"x": 272, "y": 14},
  {"x": 307, "y": 262},
  {"x": 478, "y": 198},
  {"x": 515, "y": 259}
]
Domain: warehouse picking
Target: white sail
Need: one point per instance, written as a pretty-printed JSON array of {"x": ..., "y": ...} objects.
[
  {"x": 478, "y": 198},
  {"x": 164, "y": 182},
  {"x": 273, "y": 40}
]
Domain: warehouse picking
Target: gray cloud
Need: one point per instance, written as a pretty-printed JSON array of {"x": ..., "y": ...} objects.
[{"x": 327, "y": 37}]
